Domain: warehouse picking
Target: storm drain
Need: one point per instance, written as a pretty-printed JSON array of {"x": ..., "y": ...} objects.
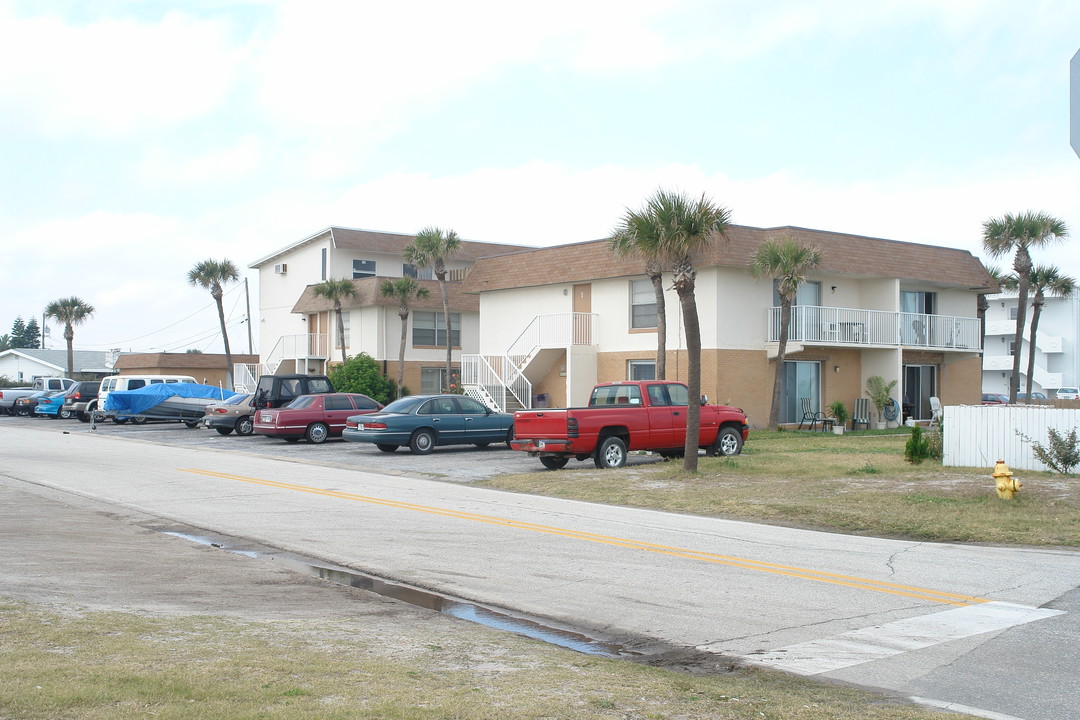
[{"x": 500, "y": 619}]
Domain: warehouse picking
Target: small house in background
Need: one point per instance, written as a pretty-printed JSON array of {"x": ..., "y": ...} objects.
[
  {"x": 207, "y": 368},
  {"x": 22, "y": 365}
]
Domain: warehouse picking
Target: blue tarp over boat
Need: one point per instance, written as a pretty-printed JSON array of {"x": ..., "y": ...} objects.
[{"x": 135, "y": 402}]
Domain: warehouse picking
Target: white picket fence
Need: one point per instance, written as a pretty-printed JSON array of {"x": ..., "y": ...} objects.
[{"x": 980, "y": 435}]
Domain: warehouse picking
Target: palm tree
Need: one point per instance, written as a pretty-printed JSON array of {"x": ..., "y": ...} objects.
[
  {"x": 1018, "y": 234},
  {"x": 212, "y": 274},
  {"x": 1044, "y": 279},
  {"x": 632, "y": 237},
  {"x": 336, "y": 291},
  {"x": 71, "y": 312},
  {"x": 431, "y": 248},
  {"x": 787, "y": 262},
  {"x": 679, "y": 227},
  {"x": 404, "y": 289}
]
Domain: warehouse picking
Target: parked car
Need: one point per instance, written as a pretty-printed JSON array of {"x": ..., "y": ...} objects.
[
  {"x": 274, "y": 391},
  {"x": 8, "y": 396},
  {"x": 315, "y": 417},
  {"x": 1034, "y": 396},
  {"x": 1069, "y": 393},
  {"x": 232, "y": 414},
  {"x": 994, "y": 399},
  {"x": 79, "y": 400},
  {"x": 50, "y": 405},
  {"x": 424, "y": 421},
  {"x": 25, "y": 405}
]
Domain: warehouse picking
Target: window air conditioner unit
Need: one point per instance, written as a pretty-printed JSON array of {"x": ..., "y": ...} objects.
[{"x": 281, "y": 268}]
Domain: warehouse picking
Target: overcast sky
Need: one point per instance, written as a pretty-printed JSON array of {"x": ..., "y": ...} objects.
[{"x": 140, "y": 137}]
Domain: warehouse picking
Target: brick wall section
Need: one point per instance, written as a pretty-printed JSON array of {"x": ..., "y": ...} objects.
[{"x": 961, "y": 382}]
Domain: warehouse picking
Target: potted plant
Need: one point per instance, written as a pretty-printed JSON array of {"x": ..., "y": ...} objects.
[
  {"x": 840, "y": 413},
  {"x": 880, "y": 393}
]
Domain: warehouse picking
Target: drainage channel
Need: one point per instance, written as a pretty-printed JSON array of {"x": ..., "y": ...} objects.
[{"x": 462, "y": 609}]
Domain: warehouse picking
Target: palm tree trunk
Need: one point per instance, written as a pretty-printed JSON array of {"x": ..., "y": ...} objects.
[
  {"x": 693, "y": 374},
  {"x": 340, "y": 329},
  {"x": 69, "y": 336},
  {"x": 403, "y": 313},
  {"x": 225, "y": 340},
  {"x": 778, "y": 376},
  {"x": 661, "y": 326},
  {"x": 1036, "y": 310},
  {"x": 1022, "y": 266},
  {"x": 446, "y": 321}
]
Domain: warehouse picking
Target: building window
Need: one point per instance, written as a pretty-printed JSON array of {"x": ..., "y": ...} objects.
[
  {"x": 343, "y": 341},
  {"x": 641, "y": 370},
  {"x": 324, "y": 263},
  {"x": 917, "y": 301},
  {"x": 1013, "y": 312},
  {"x": 429, "y": 329},
  {"x": 642, "y": 304},
  {"x": 363, "y": 268},
  {"x": 433, "y": 380},
  {"x": 1012, "y": 348},
  {"x": 412, "y": 271}
]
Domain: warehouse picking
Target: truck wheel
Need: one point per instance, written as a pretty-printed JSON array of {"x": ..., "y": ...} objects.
[
  {"x": 422, "y": 442},
  {"x": 611, "y": 453},
  {"x": 554, "y": 463},
  {"x": 728, "y": 442},
  {"x": 245, "y": 426},
  {"x": 317, "y": 433},
  {"x": 510, "y": 436},
  {"x": 83, "y": 417},
  {"x": 64, "y": 413}
]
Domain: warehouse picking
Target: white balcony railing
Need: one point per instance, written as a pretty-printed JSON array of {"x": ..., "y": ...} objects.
[
  {"x": 305, "y": 346},
  {"x": 816, "y": 325}
]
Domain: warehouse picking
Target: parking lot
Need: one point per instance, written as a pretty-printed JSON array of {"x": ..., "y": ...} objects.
[{"x": 456, "y": 463}]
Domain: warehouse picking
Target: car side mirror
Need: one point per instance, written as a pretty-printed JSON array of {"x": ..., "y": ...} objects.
[{"x": 704, "y": 399}]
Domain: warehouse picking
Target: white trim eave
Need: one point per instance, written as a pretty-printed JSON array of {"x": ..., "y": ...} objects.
[
  {"x": 15, "y": 351},
  {"x": 289, "y": 248}
]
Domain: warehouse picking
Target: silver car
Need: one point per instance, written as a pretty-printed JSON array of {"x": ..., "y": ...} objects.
[{"x": 235, "y": 413}]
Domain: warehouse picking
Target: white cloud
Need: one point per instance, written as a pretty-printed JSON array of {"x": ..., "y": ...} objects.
[
  {"x": 110, "y": 78},
  {"x": 171, "y": 166}
]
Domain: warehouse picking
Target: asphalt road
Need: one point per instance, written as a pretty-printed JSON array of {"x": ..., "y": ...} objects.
[{"x": 920, "y": 619}]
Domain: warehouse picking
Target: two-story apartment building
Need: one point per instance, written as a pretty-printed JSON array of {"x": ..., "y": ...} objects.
[
  {"x": 1057, "y": 353},
  {"x": 554, "y": 321},
  {"x": 298, "y": 331}
]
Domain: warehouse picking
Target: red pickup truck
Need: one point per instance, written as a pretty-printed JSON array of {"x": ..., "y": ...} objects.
[{"x": 624, "y": 416}]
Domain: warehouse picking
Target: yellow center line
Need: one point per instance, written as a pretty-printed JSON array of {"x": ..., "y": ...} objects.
[{"x": 709, "y": 557}]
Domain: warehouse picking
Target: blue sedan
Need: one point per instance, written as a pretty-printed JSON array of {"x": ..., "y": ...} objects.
[
  {"x": 424, "y": 421},
  {"x": 51, "y": 405}
]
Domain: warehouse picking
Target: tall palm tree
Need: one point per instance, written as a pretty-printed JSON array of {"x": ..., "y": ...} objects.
[
  {"x": 404, "y": 289},
  {"x": 632, "y": 237},
  {"x": 787, "y": 262},
  {"x": 1017, "y": 234},
  {"x": 1044, "y": 279},
  {"x": 71, "y": 312},
  {"x": 336, "y": 291},
  {"x": 211, "y": 275},
  {"x": 431, "y": 248},
  {"x": 679, "y": 227}
]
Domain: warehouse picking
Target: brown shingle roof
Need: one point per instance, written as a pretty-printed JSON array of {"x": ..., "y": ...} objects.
[
  {"x": 367, "y": 293},
  {"x": 194, "y": 361},
  {"x": 840, "y": 254},
  {"x": 373, "y": 241}
]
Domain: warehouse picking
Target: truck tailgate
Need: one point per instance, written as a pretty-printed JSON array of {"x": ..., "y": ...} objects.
[{"x": 540, "y": 423}]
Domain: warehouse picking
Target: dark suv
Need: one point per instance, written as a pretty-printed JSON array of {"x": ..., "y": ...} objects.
[
  {"x": 277, "y": 390},
  {"x": 78, "y": 398}
]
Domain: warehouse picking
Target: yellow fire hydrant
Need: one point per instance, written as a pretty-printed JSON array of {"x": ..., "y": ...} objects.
[{"x": 1007, "y": 485}]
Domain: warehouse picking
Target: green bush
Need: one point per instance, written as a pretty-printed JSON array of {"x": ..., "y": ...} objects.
[
  {"x": 1061, "y": 455},
  {"x": 362, "y": 374},
  {"x": 839, "y": 411},
  {"x": 918, "y": 446}
]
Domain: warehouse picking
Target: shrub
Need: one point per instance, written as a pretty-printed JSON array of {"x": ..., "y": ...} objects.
[
  {"x": 362, "y": 374},
  {"x": 839, "y": 411},
  {"x": 918, "y": 446},
  {"x": 1061, "y": 455}
]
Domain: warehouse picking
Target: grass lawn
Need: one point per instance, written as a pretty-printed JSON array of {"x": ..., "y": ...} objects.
[{"x": 853, "y": 483}]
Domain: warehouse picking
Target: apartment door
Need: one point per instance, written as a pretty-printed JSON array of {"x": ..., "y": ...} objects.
[
  {"x": 920, "y": 384},
  {"x": 582, "y": 304},
  {"x": 583, "y": 298},
  {"x": 802, "y": 379}
]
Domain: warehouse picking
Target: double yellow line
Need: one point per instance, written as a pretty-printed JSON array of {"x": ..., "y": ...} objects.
[{"x": 791, "y": 571}]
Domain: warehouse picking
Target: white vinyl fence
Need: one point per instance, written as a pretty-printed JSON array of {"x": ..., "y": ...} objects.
[{"x": 980, "y": 435}]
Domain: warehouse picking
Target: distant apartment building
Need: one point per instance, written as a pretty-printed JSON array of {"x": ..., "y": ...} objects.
[{"x": 1057, "y": 356}]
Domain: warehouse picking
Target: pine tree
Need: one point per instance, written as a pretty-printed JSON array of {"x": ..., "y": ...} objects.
[
  {"x": 18, "y": 331},
  {"x": 32, "y": 334}
]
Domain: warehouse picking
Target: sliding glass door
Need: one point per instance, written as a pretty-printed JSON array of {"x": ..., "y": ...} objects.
[{"x": 802, "y": 379}]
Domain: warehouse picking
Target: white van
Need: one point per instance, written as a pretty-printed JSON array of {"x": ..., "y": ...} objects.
[{"x": 133, "y": 382}]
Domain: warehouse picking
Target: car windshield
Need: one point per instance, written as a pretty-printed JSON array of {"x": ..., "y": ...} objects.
[{"x": 403, "y": 405}]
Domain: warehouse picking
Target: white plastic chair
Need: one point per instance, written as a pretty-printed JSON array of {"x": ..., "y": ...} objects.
[{"x": 935, "y": 411}]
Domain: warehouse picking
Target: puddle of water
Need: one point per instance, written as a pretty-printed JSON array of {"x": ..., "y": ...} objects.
[{"x": 461, "y": 609}]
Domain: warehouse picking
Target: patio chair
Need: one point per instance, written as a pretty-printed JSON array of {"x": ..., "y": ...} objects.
[
  {"x": 935, "y": 412},
  {"x": 809, "y": 415},
  {"x": 861, "y": 415}
]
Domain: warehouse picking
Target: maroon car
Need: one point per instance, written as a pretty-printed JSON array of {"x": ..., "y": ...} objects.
[{"x": 315, "y": 417}]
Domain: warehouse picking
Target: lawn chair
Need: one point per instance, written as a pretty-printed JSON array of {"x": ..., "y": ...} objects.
[
  {"x": 861, "y": 415},
  {"x": 935, "y": 412},
  {"x": 810, "y": 415}
]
